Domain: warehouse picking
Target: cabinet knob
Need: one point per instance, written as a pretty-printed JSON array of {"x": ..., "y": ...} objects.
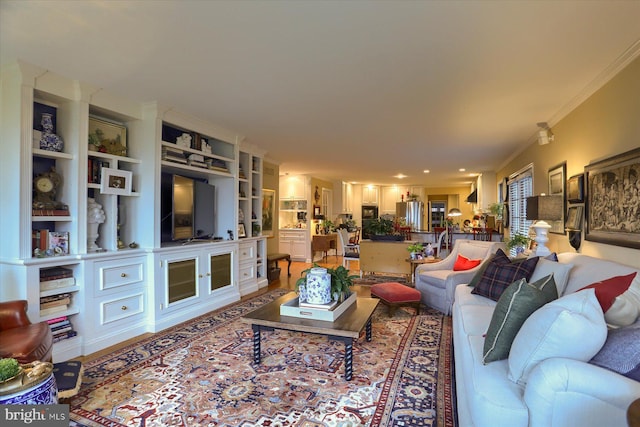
[
  {"x": 200, "y": 276},
  {"x": 123, "y": 308},
  {"x": 208, "y": 274},
  {"x": 123, "y": 274}
]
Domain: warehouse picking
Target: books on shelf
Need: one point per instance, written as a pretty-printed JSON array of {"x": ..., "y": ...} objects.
[
  {"x": 52, "y": 310},
  {"x": 64, "y": 335},
  {"x": 47, "y": 285},
  {"x": 55, "y": 273},
  {"x": 55, "y": 303},
  {"x": 50, "y": 212},
  {"x": 57, "y": 320}
]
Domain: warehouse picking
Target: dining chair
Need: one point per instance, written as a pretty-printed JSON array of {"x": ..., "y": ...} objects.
[{"x": 350, "y": 251}]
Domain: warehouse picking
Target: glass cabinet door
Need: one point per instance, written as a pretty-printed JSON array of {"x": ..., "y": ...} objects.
[
  {"x": 220, "y": 267},
  {"x": 182, "y": 279}
]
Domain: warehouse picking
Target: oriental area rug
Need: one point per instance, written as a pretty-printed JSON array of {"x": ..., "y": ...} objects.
[{"x": 201, "y": 373}]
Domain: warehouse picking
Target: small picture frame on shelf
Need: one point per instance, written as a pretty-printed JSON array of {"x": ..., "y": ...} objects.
[
  {"x": 107, "y": 137},
  {"x": 242, "y": 232},
  {"x": 116, "y": 181},
  {"x": 58, "y": 243}
]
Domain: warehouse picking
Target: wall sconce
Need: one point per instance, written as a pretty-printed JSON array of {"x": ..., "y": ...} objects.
[
  {"x": 539, "y": 209},
  {"x": 545, "y": 135}
]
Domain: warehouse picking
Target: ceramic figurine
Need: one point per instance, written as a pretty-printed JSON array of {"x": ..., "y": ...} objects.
[{"x": 49, "y": 140}]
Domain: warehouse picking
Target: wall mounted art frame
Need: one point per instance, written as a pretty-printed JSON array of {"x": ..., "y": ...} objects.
[
  {"x": 574, "y": 218},
  {"x": 612, "y": 213},
  {"x": 268, "y": 207},
  {"x": 108, "y": 136},
  {"x": 557, "y": 187},
  {"x": 575, "y": 189},
  {"x": 116, "y": 181}
]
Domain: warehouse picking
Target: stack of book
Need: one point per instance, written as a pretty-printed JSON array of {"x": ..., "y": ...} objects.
[
  {"x": 94, "y": 170},
  {"x": 197, "y": 160},
  {"x": 56, "y": 277},
  {"x": 61, "y": 328},
  {"x": 54, "y": 303},
  {"x": 64, "y": 211},
  {"x": 173, "y": 154},
  {"x": 217, "y": 165}
]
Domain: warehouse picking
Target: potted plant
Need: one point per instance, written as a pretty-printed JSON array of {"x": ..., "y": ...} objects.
[
  {"x": 519, "y": 242},
  {"x": 383, "y": 229},
  {"x": 415, "y": 249},
  {"x": 341, "y": 281}
]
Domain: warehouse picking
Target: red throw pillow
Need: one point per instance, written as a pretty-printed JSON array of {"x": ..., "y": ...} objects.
[
  {"x": 464, "y": 263},
  {"x": 607, "y": 290}
]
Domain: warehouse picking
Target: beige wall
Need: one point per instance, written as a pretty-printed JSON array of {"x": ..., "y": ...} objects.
[
  {"x": 604, "y": 125},
  {"x": 445, "y": 193}
]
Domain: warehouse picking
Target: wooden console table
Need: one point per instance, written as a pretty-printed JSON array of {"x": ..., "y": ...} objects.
[{"x": 324, "y": 243}]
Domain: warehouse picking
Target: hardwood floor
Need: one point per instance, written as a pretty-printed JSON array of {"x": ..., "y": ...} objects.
[{"x": 331, "y": 261}]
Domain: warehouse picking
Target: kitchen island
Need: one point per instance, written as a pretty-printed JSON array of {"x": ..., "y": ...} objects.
[{"x": 385, "y": 256}]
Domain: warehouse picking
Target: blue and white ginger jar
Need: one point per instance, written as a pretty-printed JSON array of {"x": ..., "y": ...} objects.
[
  {"x": 318, "y": 286},
  {"x": 49, "y": 141}
]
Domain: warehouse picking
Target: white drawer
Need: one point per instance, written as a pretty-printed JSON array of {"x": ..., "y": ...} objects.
[
  {"x": 292, "y": 235},
  {"x": 115, "y": 273},
  {"x": 247, "y": 272},
  {"x": 121, "y": 308},
  {"x": 247, "y": 252}
]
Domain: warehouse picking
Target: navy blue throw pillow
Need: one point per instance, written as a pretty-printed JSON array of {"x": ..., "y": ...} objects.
[{"x": 501, "y": 272}]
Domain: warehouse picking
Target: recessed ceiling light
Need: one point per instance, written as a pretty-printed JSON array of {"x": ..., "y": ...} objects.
[
  {"x": 426, "y": 171},
  {"x": 462, "y": 169},
  {"x": 400, "y": 176}
]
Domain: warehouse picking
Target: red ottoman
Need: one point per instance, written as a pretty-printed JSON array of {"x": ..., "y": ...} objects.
[{"x": 395, "y": 294}]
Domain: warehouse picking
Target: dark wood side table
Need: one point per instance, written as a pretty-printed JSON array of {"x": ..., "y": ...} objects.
[
  {"x": 633, "y": 414},
  {"x": 416, "y": 262}
]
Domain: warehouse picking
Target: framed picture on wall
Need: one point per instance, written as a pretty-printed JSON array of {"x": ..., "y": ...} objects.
[
  {"x": 574, "y": 218},
  {"x": 557, "y": 188},
  {"x": 575, "y": 189},
  {"x": 268, "y": 207},
  {"x": 612, "y": 189}
]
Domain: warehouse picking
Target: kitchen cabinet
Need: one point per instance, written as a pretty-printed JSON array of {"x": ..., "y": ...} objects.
[
  {"x": 389, "y": 196},
  {"x": 295, "y": 243},
  {"x": 294, "y": 187},
  {"x": 370, "y": 194},
  {"x": 347, "y": 198}
]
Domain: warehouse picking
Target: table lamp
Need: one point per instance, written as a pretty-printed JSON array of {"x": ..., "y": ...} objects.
[{"x": 542, "y": 209}]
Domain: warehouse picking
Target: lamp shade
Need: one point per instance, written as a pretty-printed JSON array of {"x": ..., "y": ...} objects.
[
  {"x": 454, "y": 212},
  {"x": 544, "y": 208}
]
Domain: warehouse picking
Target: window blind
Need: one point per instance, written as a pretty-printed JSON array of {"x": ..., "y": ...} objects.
[{"x": 520, "y": 187}]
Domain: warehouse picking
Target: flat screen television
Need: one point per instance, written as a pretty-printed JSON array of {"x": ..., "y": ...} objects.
[{"x": 187, "y": 208}]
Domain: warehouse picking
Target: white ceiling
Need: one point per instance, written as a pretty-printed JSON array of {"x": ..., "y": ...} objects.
[{"x": 351, "y": 90}]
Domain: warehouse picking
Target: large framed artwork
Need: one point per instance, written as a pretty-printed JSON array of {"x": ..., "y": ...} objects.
[
  {"x": 613, "y": 200},
  {"x": 268, "y": 207},
  {"x": 557, "y": 187}
]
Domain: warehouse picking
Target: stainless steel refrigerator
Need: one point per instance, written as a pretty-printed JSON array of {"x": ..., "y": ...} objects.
[{"x": 413, "y": 214}]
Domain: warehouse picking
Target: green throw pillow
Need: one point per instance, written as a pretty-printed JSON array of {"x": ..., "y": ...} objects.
[{"x": 515, "y": 305}]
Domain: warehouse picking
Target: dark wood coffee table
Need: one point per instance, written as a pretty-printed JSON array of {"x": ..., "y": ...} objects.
[{"x": 345, "y": 328}]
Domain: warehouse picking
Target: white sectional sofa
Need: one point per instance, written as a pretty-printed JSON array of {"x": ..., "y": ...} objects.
[{"x": 559, "y": 391}]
